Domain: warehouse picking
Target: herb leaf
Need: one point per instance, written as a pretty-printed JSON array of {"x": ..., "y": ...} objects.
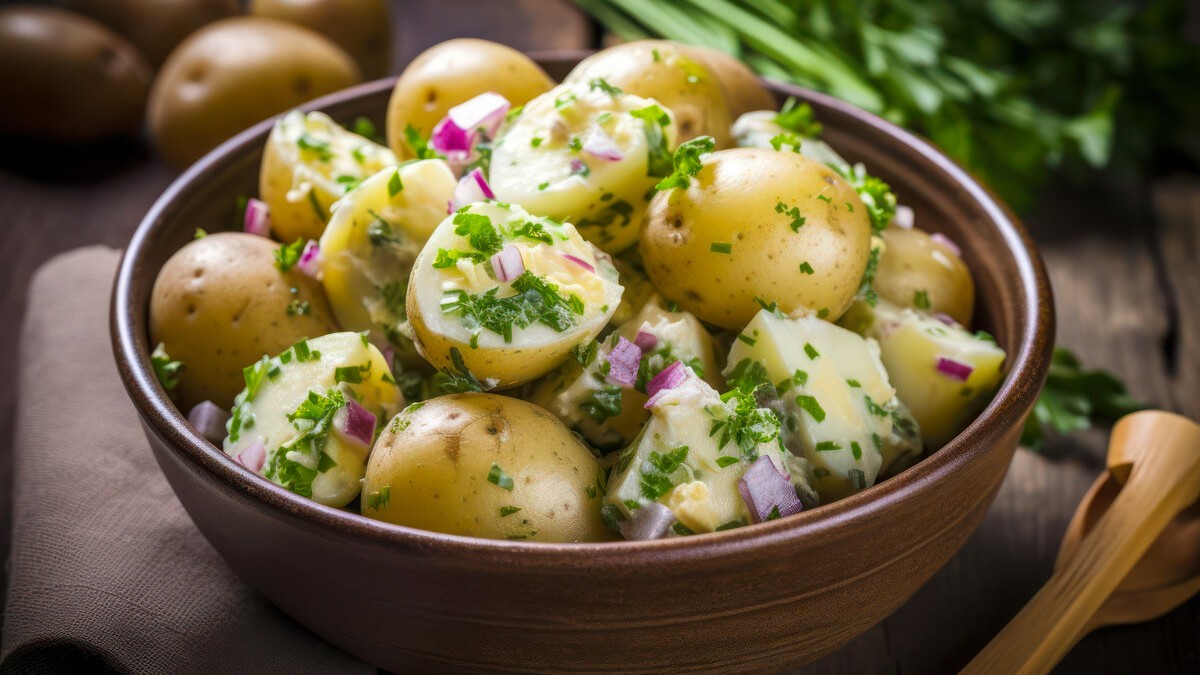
[
  {"x": 1073, "y": 397},
  {"x": 687, "y": 162}
]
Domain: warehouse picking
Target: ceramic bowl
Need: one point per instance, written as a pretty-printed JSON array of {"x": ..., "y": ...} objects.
[{"x": 752, "y": 599}]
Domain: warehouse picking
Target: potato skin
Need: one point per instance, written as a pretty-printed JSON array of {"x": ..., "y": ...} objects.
[
  {"x": 435, "y": 457},
  {"x": 361, "y": 27},
  {"x": 155, "y": 27},
  {"x": 453, "y": 72},
  {"x": 663, "y": 70},
  {"x": 234, "y": 73},
  {"x": 220, "y": 303},
  {"x": 735, "y": 199},
  {"x": 914, "y": 262},
  {"x": 744, "y": 92},
  {"x": 68, "y": 78}
]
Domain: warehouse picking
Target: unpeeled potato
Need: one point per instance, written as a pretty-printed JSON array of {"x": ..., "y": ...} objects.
[
  {"x": 361, "y": 27},
  {"x": 921, "y": 272},
  {"x": 67, "y": 78},
  {"x": 744, "y": 92},
  {"x": 219, "y": 304},
  {"x": 234, "y": 73},
  {"x": 155, "y": 27},
  {"x": 454, "y": 72}
]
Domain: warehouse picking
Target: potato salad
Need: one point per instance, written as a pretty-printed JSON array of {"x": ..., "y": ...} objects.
[{"x": 637, "y": 304}]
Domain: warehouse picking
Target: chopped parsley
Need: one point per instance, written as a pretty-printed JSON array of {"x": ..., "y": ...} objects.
[
  {"x": 456, "y": 381},
  {"x": 727, "y": 461},
  {"x": 797, "y": 219},
  {"x": 875, "y": 194},
  {"x": 287, "y": 255},
  {"x": 298, "y": 307},
  {"x": 654, "y": 118},
  {"x": 380, "y": 232},
  {"x": 874, "y": 408},
  {"x": 686, "y": 162},
  {"x": 657, "y": 471},
  {"x": 366, "y": 128},
  {"x": 165, "y": 369},
  {"x": 748, "y": 375},
  {"x": 585, "y": 353},
  {"x": 450, "y": 257},
  {"x": 536, "y": 301},
  {"x": 395, "y": 185},
  {"x": 291, "y": 464},
  {"x": 500, "y": 479},
  {"x": 200, "y": 233},
  {"x": 303, "y": 354},
  {"x": 921, "y": 300},
  {"x": 788, "y": 139},
  {"x": 866, "y": 289},
  {"x": 506, "y": 511},
  {"x": 806, "y": 268},
  {"x": 352, "y": 374},
  {"x": 747, "y": 425},
  {"x": 318, "y": 147},
  {"x": 603, "y": 85},
  {"x": 721, "y": 247},
  {"x": 602, "y": 403},
  {"x": 533, "y": 231},
  {"x": 536, "y": 141},
  {"x": 564, "y": 100},
  {"x": 479, "y": 231},
  {"x": 798, "y": 118},
  {"x": 420, "y": 145},
  {"x": 394, "y": 294},
  {"x": 379, "y": 499}
]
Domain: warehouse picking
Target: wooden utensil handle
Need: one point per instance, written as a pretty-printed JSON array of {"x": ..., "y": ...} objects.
[{"x": 1165, "y": 479}]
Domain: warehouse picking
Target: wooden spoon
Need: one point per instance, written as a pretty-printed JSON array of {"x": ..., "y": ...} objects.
[{"x": 1156, "y": 455}]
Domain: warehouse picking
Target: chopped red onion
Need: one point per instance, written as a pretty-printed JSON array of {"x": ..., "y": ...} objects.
[
  {"x": 507, "y": 264},
  {"x": 578, "y": 167},
  {"x": 623, "y": 362},
  {"x": 904, "y": 218},
  {"x": 765, "y": 489},
  {"x": 667, "y": 379},
  {"x": 651, "y": 521},
  {"x": 258, "y": 218},
  {"x": 645, "y": 341},
  {"x": 945, "y": 318},
  {"x": 581, "y": 262},
  {"x": 355, "y": 423},
  {"x": 253, "y": 456},
  {"x": 602, "y": 146},
  {"x": 389, "y": 355},
  {"x": 310, "y": 259},
  {"x": 209, "y": 419},
  {"x": 942, "y": 239},
  {"x": 448, "y": 137},
  {"x": 471, "y": 188},
  {"x": 956, "y": 370},
  {"x": 486, "y": 111}
]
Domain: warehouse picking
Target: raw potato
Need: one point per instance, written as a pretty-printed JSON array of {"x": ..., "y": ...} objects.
[
  {"x": 312, "y": 455},
  {"x": 548, "y": 160},
  {"x": 663, "y": 71},
  {"x": 742, "y": 201},
  {"x": 361, "y": 27},
  {"x": 913, "y": 262},
  {"x": 155, "y": 27},
  {"x": 67, "y": 78},
  {"x": 445, "y": 465},
  {"x": 454, "y": 72},
  {"x": 305, "y": 168},
  {"x": 743, "y": 90},
  {"x": 220, "y": 303},
  {"x": 442, "y": 333},
  {"x": 367, "y": 252},
  {"x": 234, "y": 73}
]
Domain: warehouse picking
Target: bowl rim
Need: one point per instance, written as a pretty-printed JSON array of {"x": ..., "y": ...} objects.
[{"x": 1029, "y": 362}]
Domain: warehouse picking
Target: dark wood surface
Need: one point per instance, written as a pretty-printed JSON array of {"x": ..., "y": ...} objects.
[{"x": 1126, "y": 285}]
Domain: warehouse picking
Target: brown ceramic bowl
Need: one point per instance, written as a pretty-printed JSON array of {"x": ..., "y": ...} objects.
[{"x": 757, "y": 598}]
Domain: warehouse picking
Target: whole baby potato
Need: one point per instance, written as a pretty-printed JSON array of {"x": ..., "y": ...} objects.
[
  {"x": 665, "y": 72},
  {"x": 484, "y": 465},
  {"x": 155, "y": 27},
  {"x": 233, "y": 73},
  {"x": 68, "y": 78},
  {"x": 361, "y": 27},
  {"x": 918, "y": 271},
  {"x": 757, "y": 225},
  {"x": 454, "y": 72},
  {"x": 220, "y": 303},
  {"x": 744, "y": 92}
]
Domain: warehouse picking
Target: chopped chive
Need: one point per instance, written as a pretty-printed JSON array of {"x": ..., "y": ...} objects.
[
  {"x": 497, "y": 477},
  {"x": 720, "y": 247},
  {"x": 811, "y": 350},
  {"x": 856, "y": 449},
  {"x": 806, "y": 268},
  {"x": 812, "y": 407},
  {"x": 395, "y": 185},
  {"x": 828, "y": 446}
]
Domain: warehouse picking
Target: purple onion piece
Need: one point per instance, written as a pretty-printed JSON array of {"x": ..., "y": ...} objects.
[
  {"x": 601, "y": 146},
  {"x": 764, "y": 490},
  {"x": 507, "y": 264},
  {"x": 486, "y": 111},
  {"x": 578, "y": 167},
  {"x": 942, "y": 239},
  {"x": 581, "y": 262},
  {"x": 945, "y": 318},
  {"x": 253, "y": 456},
  {"x": 667, "y": 378},
  {"x": 310, "y": 259},
  {"x": 448, "y": 137},
  {"x": 652, "y": 521},
  {"x": 646, "y": 341},
  {"x": 258, "y": 218},
  {"x": 471, "y": 188},
  {"x": 624, "y": 360},
  {"x": 356, "y": 423},
  {"x": 956, "y": 370},
  {"x": 209, "y": 419}
]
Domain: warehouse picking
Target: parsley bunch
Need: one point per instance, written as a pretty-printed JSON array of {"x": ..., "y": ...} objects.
[{"x": 1074, "y": 396}]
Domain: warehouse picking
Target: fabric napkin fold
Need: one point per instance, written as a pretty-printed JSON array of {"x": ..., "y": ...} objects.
[{"x": 107, "y": 571}]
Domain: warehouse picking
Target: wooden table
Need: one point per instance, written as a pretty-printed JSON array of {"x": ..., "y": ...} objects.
[{"x": 1125, "y": 281}]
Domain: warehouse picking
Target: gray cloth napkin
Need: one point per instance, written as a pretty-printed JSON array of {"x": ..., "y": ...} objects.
[{"x": 107, "y": 571}]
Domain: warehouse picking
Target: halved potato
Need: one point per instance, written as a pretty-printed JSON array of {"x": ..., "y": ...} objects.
[
  {"x": 309, "y": 163},
  {"x": 554, "y": 291},
  {"x": 587, "y": 153},
  {"x": 368, "y": 249}
]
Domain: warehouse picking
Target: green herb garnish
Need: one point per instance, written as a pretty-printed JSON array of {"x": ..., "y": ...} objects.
[
  {"x": 497, "y": 477},
  {"x": 686, "y": 162},
  {"x": 287, "y": 255},
  {"x": 166, "y": 369}
]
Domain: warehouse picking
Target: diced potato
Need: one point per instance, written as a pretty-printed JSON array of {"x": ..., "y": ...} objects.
[
  {"x": 943, "y": 399},
  {"x": 841, "y": 413},
  {"x": 680, "y": 461}
]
